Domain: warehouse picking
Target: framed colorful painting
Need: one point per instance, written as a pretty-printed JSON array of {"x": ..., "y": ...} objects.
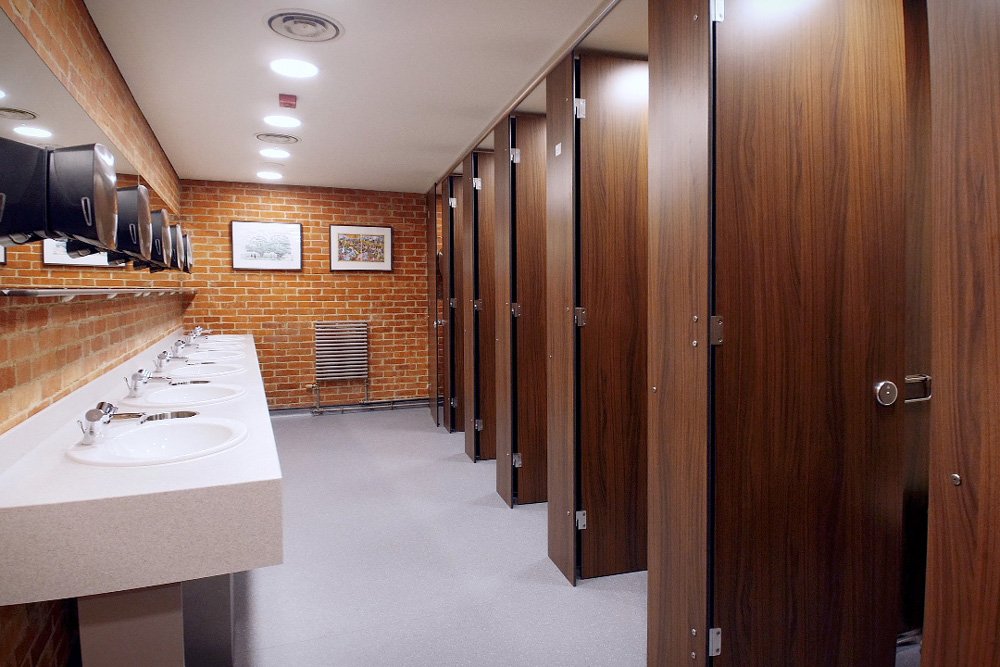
[{"x": 360, "y": 248}]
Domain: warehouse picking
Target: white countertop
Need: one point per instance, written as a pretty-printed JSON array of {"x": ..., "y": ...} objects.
[{"x": 68, "y": 529}]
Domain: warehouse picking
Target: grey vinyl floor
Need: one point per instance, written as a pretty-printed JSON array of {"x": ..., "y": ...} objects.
[{"x": 398, "y": 551}]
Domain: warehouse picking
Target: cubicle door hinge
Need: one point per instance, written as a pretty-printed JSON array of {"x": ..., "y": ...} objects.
[
  {"x": 479, "y": 425},
  {"x": 718, "y": 11},
  {"x": 518, "y": 461},
  {"x": 580, "y": 317},
  {"x": 453, "y": 302},
  {"x": 515, "y": 155},
  {"x": 477, "y": 183},
  {"x": 453, "y": 402},
  {"x": 581, "y": 520},
  {"x": 453, "y": 202},
  {"x": 477, "y": 304},
  {"x": 715, "y": 330},
  {"x": 579, "y": 107},
  {"x": 714, "y": 642},
  {"x": 515, "y": 309}
]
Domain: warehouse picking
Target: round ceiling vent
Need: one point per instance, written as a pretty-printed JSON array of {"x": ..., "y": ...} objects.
[
  {"x": 17, "y": 114},
  {"x": 304, "y": 26},
  {"x": 276, "y": 138}
]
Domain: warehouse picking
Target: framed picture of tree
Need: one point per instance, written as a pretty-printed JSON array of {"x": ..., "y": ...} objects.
[{"x": 267, "y": 246}]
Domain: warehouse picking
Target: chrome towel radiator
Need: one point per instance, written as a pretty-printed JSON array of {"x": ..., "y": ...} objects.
[{"x": 341, "y": 353}]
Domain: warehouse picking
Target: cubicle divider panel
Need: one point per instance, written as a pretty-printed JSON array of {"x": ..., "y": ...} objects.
[
  {"x": 560, "y": 331},
  {"x": 963, "y": 576},
  {"x": 679, "y": 231},
  {"x": 504, "y": 352}
]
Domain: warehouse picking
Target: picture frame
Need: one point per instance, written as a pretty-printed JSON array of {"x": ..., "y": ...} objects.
[
  {"x": 54, "y": 254},
  {"x": 362, "y": 248},
  {"x": 266, "y": 246}
]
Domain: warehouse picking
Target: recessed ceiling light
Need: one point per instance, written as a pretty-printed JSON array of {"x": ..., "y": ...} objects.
[
  {"x": 298, "y": 69},
  {"x": 274, "y": 153},
  {"x": 34, "y": 132},
  {"x": 2, "y": 94},
  {"x": 282, "y": 121},
  {"x": 269, "y": 175}
]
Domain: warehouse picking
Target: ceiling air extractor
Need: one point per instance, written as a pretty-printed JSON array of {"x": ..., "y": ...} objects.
[
  {"x": 304, "y": 26},
  {"x": 17, "y": 114},
  {"x": 276, "y": 138}
]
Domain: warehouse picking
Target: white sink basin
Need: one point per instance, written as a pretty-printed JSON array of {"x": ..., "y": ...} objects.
[
  {"x": 186, "y": 395},
  {"x": 223, "y": 338},
  {"x": 167, "y": 441},
  {"x": 219, "y": 347},
  {"x": 203, "y": 371},
  {"x": 215, "y": 355}
]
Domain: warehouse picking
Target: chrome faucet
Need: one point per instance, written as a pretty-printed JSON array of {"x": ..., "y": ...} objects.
[
  {"x": 176, "y": 350},
  {"x": 161, "y": 360},
  {"x": 94, "y": 421},
  {"x": 136, "y": 382}
]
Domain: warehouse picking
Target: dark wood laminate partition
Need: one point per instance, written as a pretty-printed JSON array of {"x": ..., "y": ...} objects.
[
  {"x": 678, "y": 301},
  {"x": 597, "y": 219},
  {"x": 478, "y": 305},
  {"x": 560, "y": 333},
  {"x": 454, "y": 414},
  {"x": 530, "y": 325},
  {"x": 432, "y": 307},
  {"x": 520, "y": 354},
  {"x": 504, "y": 376},
  {"x": 810, "y": 281},
  {"x": 963, "y": 576},
  {"x": 613, "y": 212}
]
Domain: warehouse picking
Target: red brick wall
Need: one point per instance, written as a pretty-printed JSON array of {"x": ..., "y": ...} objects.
[
  {"x": 66, "y": 39},
  {"x": 49, "y": 348},
  {"x": 279, "y": 307}
]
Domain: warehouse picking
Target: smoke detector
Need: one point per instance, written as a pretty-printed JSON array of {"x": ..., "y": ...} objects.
[
  {"x": 304, "y": 26},
  {"x": 277, "y": 138},
  {"x": 17, "y": 114}
]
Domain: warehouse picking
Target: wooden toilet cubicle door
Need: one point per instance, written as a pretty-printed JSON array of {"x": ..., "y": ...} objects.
[
  {"x": 479, "y": 304},
  {"x": 520, "y": 310},
  {"x": 451, "y": 269},
  {"x": 809, "y": 307},
  {"x": 597, "y": 265},
  {"x": 433, "y": 304}
]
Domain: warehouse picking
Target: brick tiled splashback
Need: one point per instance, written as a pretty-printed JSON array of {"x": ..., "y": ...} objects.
[
  {"x": 279, "y": 307},
  {"x": 49, "y": 348}
]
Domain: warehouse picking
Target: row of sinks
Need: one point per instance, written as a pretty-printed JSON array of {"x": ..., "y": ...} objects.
[{"x": 176, "y": 432}]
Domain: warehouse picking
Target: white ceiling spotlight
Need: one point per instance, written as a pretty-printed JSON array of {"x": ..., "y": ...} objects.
[
  {"x": 2, "y": 94},
  {"x": 274, "y": 153},
  {"x": 33, "y": 132},
  {"x": 282, "y": 121},
  {"x": 269, "y": 175},
  {"x": 297, "y": 69}
]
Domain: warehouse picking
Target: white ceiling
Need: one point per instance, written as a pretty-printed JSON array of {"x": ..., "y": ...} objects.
[
  {"x": 399, "y": 95},
  {"x": 31, "y": 86}
]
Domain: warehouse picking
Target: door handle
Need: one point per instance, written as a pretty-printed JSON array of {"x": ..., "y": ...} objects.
[
  {"x": 886, "y": 392},
  {"x": 918, "y": 388}
]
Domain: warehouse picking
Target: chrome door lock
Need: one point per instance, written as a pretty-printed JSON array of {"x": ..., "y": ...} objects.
[{"x": 886, "y": 392}]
